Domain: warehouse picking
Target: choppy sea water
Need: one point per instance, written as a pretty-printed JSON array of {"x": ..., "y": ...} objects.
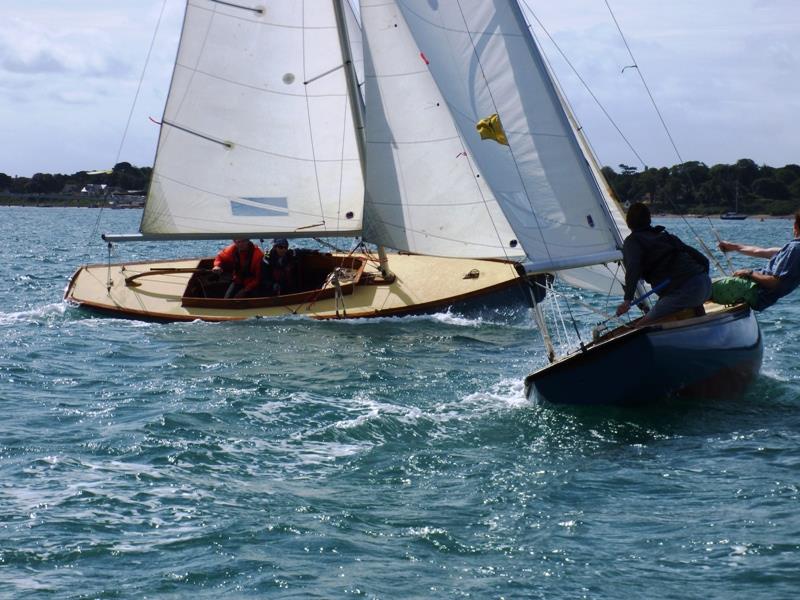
[{"x": 395, "y": 458}]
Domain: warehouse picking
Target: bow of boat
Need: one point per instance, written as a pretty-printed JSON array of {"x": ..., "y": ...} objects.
[{"x": 716, "y": 355}]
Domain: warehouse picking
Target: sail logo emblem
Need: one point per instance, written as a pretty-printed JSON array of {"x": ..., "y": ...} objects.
[{"x": 260, "y": 207}]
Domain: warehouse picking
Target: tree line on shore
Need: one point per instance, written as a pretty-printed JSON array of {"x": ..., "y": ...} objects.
[
  {"x": 693, "y": 187},
  {"x": 689, "y": 187},
  {"x": 124, "y": 176}
]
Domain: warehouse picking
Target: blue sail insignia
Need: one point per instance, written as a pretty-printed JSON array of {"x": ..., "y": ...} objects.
[{"x": 260, "y": 207}]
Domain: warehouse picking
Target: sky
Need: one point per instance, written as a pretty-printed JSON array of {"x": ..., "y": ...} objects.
[{"x": 724, "y": 74}]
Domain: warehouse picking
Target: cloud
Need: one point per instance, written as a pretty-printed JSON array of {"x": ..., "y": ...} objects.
[
  {"x": 76, "y": 96},
  {"x": 723, "y": 75},
  {"x": 33, "y": 48},
  {"x": 68, "y": 80}
]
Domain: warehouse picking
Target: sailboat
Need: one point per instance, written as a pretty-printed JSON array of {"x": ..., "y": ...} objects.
[
  {"x": 735, "y": 215},
  {"x": 263, "y": 136},
  {"x": 464, "y": 150},
  {"x": 480, "y": 57}
]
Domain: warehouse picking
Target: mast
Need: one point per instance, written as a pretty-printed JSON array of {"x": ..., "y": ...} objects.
[
  {"x": 357, "y": 109},
  {"x": 356, "y": 102},
  {"x": 592, "y": 165}
]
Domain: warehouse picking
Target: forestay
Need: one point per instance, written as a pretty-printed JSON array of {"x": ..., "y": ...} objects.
[
  {"x": 257, "y": 136},
  {"x": 478, "y": 59}
]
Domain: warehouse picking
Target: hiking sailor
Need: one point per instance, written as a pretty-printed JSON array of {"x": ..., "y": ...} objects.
[
  {"x": 779, "y": 278},
  {"x": 662, "y": 259}
]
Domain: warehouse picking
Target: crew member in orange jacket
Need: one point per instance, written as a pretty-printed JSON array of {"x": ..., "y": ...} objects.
[{"x": 244, "y": 258}]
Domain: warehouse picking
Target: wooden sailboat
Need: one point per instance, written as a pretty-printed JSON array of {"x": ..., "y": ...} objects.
[
  {"x": 263, "y": 136},
  {"x": 712, "y": 352}
]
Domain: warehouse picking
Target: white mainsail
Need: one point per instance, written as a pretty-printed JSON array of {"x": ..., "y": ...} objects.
[
  {"x": 481, "y": 60},
  {"x": 257, "y": 137}
]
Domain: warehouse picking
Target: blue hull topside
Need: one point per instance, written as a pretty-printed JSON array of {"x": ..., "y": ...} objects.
[{"x": 714, "y": 356}]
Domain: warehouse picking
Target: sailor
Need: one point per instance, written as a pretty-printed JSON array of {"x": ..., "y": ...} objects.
[
  {"x": 279, "y": 269},
  {"x": 781, "y": 275},
  {"x": 662, "y": 259},
  {"x": 243, "y": 258}
]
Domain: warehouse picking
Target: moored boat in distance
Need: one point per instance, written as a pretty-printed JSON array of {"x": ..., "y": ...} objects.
[{"x": 732, "y": 216}]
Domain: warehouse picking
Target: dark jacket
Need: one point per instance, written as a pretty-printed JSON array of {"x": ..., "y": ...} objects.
[
  {"x": 655, "y": 255},
  {"x": 280, "y": 271}
]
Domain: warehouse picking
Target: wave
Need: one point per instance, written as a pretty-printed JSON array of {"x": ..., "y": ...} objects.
[{"x": 42, "y": 313}]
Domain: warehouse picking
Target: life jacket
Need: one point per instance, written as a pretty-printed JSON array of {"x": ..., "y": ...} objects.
[{"x": 246, "y": 268}]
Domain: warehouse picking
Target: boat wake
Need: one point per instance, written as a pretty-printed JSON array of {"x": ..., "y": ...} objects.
[
  {"x": 499, "y": 319},
  {"x": 508, "y": 393},
  {"x": 44, "y": 313}
]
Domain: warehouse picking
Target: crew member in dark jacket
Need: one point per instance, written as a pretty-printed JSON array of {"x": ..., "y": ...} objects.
[
  {"x": 653, "y": 254},
  {"x": 243, "y": 258},
  {"x": 279, "y": 271}
]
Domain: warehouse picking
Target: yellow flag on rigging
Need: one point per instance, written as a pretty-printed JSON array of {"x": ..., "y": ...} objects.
[{"x": 490, "y": 128}]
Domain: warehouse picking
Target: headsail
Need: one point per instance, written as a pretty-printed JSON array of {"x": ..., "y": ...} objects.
[
  {"x": 425, "y": 192},
  {"x": 257, "y": 135},
  {"x": 481, "y": 61}
]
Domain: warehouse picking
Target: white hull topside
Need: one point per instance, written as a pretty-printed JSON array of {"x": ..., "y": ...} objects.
[{"x": 422, "y": 283}]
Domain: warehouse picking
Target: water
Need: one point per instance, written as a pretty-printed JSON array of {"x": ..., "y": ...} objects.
[{"x": 395, "y": 458}]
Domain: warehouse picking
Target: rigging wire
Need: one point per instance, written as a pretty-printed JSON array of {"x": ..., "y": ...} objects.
[
  {"x": 583, "y": 82},
  {"x": 674, "y": 147},
  {"x": 635, "y": 65},
  {"x": 96, "y": 227}
]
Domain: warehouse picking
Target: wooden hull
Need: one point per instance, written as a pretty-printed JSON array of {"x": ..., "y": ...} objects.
[
  {"x": 713, "y": 356},
  {"x": 171, "y": 291}
]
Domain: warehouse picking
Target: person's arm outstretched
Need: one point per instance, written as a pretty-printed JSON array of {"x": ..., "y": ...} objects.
[{"x": 754, "y": 251}]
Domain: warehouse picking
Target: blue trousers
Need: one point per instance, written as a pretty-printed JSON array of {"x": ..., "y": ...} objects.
[{"x": 693, "y": 292}]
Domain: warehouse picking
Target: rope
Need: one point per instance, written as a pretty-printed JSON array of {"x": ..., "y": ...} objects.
[
  {"x": 329, "y": 245},
  {"x": 674, "y": 147},
  {"x": 96, "y": 227},
  {"x": 310, "y": 124},
  {"x": 583, "y": 82}
]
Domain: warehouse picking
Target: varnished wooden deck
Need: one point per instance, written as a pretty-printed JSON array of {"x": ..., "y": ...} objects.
[{"x": 421, "y": 283}]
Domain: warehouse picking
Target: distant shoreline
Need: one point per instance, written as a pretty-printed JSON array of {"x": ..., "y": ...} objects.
[
  {"x": 96, "y": 203},
  {"x": 762, "y": 217},
  {"x": 62, "y": 202}
]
